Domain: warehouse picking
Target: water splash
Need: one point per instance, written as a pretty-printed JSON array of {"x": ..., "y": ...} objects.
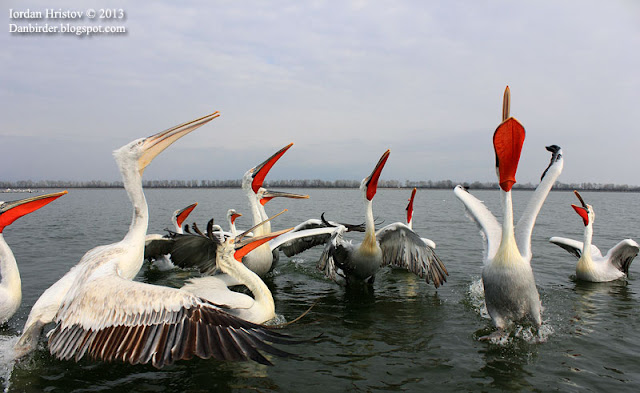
[
  {"x": 7, "y": 359},
  {"x": 523, "y": 332}
]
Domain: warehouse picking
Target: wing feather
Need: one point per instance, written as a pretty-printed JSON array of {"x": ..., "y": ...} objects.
[
  {"x": 486, "y": 221},
  {"x": 402, "y": 247},
  {"x": 111, "y": 318},
  {"x": 622, "y": 254}
]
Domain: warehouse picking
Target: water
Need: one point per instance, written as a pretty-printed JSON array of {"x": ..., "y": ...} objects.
[{"x": 402, "y": 335}]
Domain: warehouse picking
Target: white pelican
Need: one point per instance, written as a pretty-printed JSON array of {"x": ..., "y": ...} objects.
[
  {"x": 394, "y": 245},
  {"x": 592, "y": 266},
  {"x": 409, "y": 209},
  {"x": 99, "y": 311},
  {"x": 11, "y": 286},
  {"x": 509, "y": 285}
]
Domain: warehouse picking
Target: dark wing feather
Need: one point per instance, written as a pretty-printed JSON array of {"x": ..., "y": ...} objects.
[
  {"x": 194, "y": 251},
  {"x": 573, "y": 247},
  {"x": 157, "y": 247},
  {"x": 403, "y": 248},
  {"x": 296, "y": 246}
]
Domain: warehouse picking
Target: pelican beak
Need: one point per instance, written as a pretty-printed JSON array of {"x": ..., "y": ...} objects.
[
  {"x": 410, "y": 206},
  {"x": 507, "y": 143},
  {"x": 234, "y": 216},
  {"x": 245, "y": 246},
  {"x": 184, "y": 213},
  {"x": 269, "y": 195},
  {"x": 583, "y": 211},
  {"x": 372, "y": 180},
  {"x": 261, "y": 171},
  {"x": 12, "y": 210},
  {"x": 155, "y": 144}
]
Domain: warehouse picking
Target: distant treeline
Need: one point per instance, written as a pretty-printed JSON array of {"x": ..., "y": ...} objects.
[{"x": 306, "y": 183}]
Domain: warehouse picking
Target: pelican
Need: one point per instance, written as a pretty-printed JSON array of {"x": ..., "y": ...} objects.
[
  {"x": 11, "y": 286},
  {"x": 98, "y": 310},
  {"x": 395, "y": 245},
  {"x": 509, "y": 286},
  {"x": 155, "y": 243},
  {"x": 409, "y": 209},
  {"x": 261, "y": 259},
  {"x": 592, "y": 266}
]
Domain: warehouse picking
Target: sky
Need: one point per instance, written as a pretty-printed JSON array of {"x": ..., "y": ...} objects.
[{"x": 342, "y": 80}]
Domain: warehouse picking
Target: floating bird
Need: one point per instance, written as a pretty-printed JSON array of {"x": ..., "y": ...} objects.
[
  {"x": 98, "y": 311},
  {"x": 509, "y": 286},
  {"x": 592, "y": 266},
  {"x": 11, "y": 286},
  {"x": 395, "y": 245}
]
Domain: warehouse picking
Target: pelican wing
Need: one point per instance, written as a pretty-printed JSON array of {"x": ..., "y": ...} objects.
[
  {"x": 194, "y": 251},
  {"x": 111, "y": 318},
  {"x": 489, "y": 227},
  {"x": 302, "y": 238},
  {"x": 574, "y": 247},
  {"x": 622, "y": 254},
  {"x": 334, "y": 259},
  {"x": 524, "y": 227},
  {"x": 155, "y": 246},
  {"x": 403, "y": 248}
]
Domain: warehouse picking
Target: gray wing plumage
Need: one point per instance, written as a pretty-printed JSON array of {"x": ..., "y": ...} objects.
[
  {"x": 194, "y": 251},
  {"x": 574, "y": 247},
  {"x": 156, "y": 246},
  {"x": 622, "y": 254},
  {"x": 403, "y": 248},
  {"x": 334, "y": 259},
  {"x": 296, "y": 246},
  {"x": 118, "y": 319}
]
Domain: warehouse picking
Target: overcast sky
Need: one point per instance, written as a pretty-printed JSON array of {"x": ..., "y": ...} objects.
[{"x": 343, "y": 80}]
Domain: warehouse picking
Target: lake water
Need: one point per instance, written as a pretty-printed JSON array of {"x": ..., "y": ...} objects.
[{"x": 403, "y": 335}]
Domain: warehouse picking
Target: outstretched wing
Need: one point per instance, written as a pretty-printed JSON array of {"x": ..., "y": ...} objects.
[
  {"x": 111, "y": 318},
  {"x": 489, "y": 226},
  {"x": 524, "y": 227},
  {"x": 336, "y": 253},
  {"x": 622, "y": 254},
  {"x": 194, "y": 251},
  {"x": 403, "y": 248},
  {"x": 574, "y": 247},
  {"x": 303, "y": 237}
]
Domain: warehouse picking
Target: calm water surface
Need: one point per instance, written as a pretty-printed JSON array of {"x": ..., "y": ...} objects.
[{"x": 402, "y": 335}]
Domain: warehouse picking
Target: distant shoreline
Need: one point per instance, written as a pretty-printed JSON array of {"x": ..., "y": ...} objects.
[{"x": 32, "y": 186}]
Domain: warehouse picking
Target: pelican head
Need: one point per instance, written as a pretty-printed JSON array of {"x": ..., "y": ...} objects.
[
  {"x": 265, "y": 195},
  {"x": 232, "y": 215},
  {"x": 254, "y": 177},
  {"x": 141, "y": 152},
  {"x": 507, "y": 143},
  {"x": 12, "y": 210},
  {"x": 585, "y": 211},
  {"x": 369, "y": 184},
  {"x": 180, "y": 215}
]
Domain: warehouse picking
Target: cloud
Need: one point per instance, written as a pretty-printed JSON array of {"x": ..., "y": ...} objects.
[{"x": 343, "y": 80}]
